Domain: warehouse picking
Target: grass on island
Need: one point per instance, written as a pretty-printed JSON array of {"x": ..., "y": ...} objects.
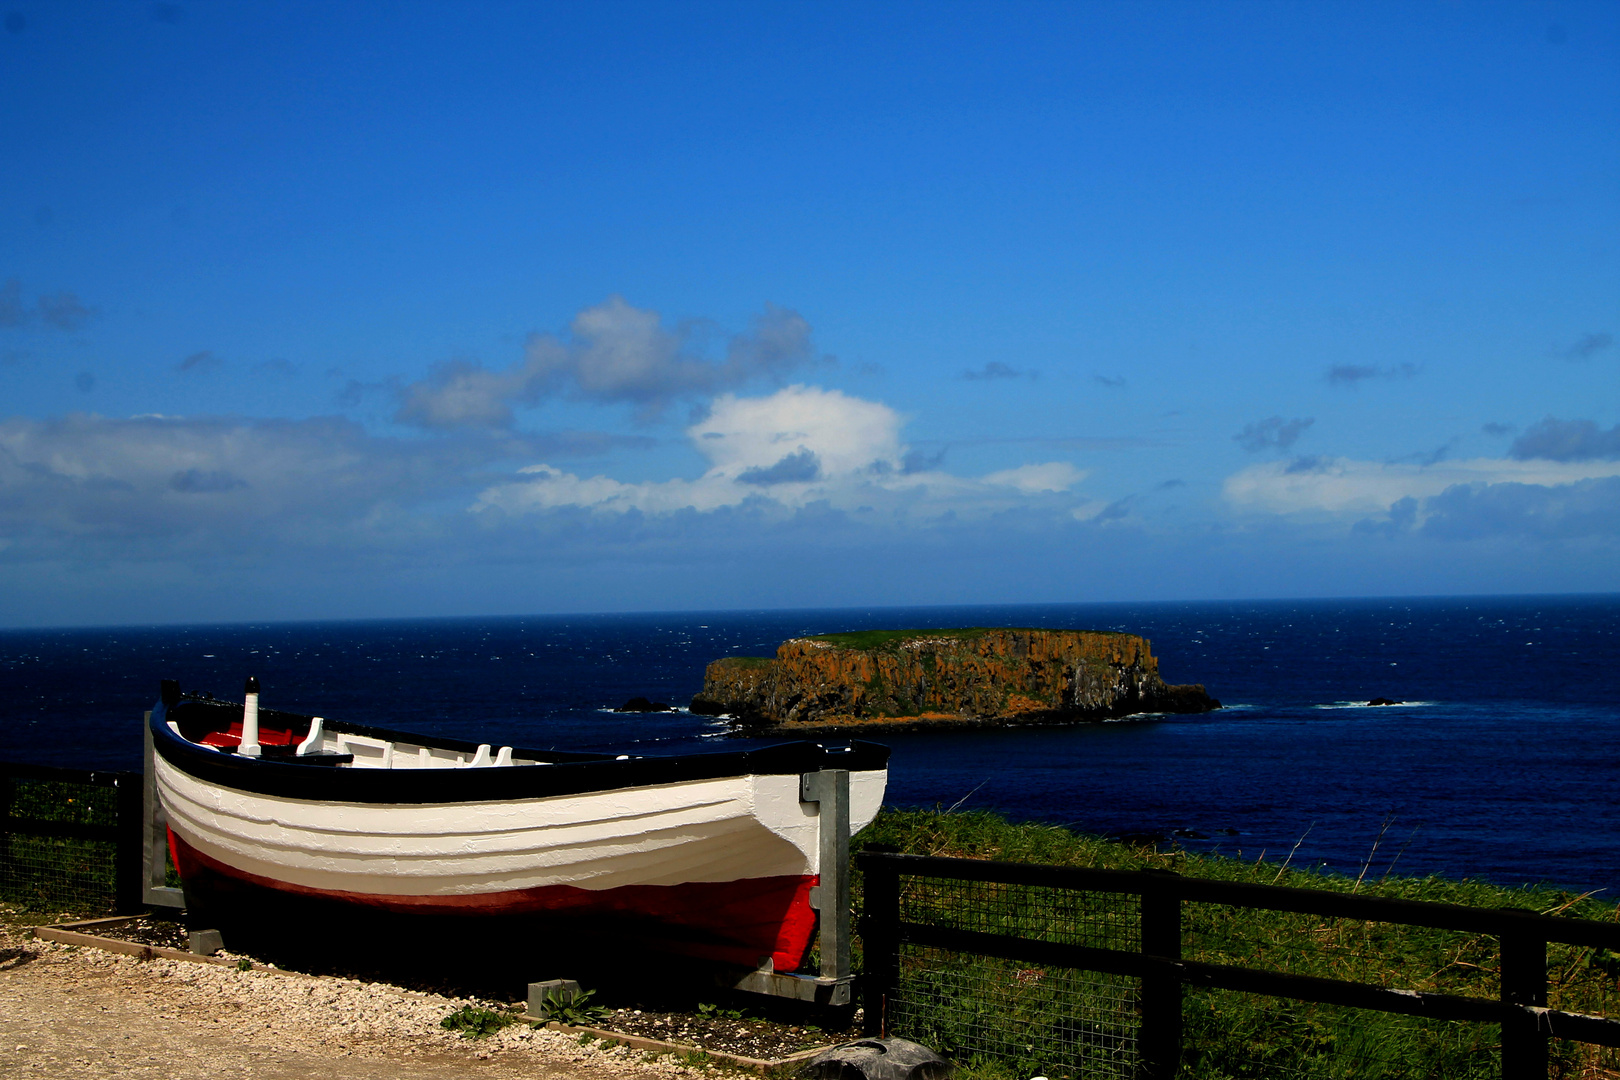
[
  {"x": 868, "y": 640},
  {"x": 747, "y": 661},
  {"x": 1005, "y": 1020},
  {"x": 875, "y": 640}
]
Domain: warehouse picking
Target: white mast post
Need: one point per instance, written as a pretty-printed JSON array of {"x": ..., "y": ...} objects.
[{"x": 249, "y": 746}]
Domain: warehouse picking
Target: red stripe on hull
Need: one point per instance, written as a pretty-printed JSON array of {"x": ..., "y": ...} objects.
[{"x": 735, "y": 922}]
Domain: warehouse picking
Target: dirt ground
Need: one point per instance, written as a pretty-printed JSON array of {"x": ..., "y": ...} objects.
[{"x": 69, "y": 1012}]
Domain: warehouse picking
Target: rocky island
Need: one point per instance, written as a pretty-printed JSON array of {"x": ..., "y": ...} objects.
[{"x": 913, "y": 679}]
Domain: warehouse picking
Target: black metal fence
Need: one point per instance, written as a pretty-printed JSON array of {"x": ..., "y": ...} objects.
[
  {"x": 1127, "y": 974},
  {"x": 70, "y": 839}
]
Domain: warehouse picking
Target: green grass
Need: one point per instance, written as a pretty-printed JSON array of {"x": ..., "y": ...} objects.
[
  {"x": 870, "y": 640},
  {"x": 867, "y": 640},
  {"x": 890, "y": 639},
  {"x": 55, "y": 800},
  {"x": 1023, "y": 1020}
]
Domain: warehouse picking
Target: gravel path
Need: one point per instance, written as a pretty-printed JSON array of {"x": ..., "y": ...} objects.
[{"x": 69, "y": 1012}]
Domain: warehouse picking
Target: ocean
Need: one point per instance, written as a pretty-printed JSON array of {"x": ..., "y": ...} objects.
[{"x": 1503, "y": 763}]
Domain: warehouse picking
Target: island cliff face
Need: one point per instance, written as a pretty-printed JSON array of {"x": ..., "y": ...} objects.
[{"x": 925, "y": 678}]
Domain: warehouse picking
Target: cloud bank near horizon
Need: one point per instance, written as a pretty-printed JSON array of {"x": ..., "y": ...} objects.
[
  {"x": 460, "y": 481},
  {"x": 1561, "y": 482},
  {"x": 89, "y": 486},
  {"x": 798, "y": 446}
]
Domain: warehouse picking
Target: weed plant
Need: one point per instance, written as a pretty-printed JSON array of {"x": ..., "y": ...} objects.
[
  {"x": 575, "y": 1010},
  {"x": 476, "y": 1022},
  {"x": 1007, "y": 1019}
]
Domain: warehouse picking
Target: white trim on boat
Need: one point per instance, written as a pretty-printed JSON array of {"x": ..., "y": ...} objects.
[{"x": 312, "y": 741}]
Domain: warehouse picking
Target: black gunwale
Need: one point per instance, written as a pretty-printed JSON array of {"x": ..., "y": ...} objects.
[{"x": 565, "y": 773}]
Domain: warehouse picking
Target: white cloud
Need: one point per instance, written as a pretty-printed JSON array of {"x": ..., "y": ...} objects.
[
  {"x": 846, "y": 434},
  {"x": 1326, "y": 486},
  {"x": 159, "y": 487},
  {"x": 1034, "y": 479},
  {"x": 798, "y": 446}
]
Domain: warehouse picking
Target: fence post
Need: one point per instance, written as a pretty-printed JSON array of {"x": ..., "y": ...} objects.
[
  {"x": 129, "y": 856},
  {"x": 6, "y": 788},
  {"x": 1524, "y": 982},
  {"x": 1159, "y": 1042},
  {"x": 880, "y": 939}
]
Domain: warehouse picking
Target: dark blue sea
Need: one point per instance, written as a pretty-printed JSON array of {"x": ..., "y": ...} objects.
[{"x": 1503, "y": 763}]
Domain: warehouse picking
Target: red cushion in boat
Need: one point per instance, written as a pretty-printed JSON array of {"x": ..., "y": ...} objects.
[{"x": 233, "y": 737}]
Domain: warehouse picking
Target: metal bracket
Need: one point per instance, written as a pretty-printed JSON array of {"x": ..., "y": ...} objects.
[
  {"x": 155, "y": 890},
  {"x": 829, "y": 790},
  {"x": 814, "y": 988}
]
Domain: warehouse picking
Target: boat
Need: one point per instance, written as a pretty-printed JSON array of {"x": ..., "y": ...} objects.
[{"x": 707, "y": 855}]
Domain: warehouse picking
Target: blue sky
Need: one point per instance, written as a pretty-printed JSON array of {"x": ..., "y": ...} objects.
[{"x": 314, "y": 311}]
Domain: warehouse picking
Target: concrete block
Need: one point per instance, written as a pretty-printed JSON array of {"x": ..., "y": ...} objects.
[
  {"x": 559, "y": 990},
  {"x": 204, "y": 942}
]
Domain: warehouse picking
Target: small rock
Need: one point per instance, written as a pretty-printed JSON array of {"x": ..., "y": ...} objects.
[
  {"x": 641, "y": 704},
  {"x": 1385, "y": 701}
]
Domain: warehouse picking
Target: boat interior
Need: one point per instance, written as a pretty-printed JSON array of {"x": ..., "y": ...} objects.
[
  {"x": 312, "y": 740},
  {"x": 364, "y": 751}
]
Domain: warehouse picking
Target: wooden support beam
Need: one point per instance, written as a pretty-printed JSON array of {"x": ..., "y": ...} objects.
[{"x": 154, "y": 837}]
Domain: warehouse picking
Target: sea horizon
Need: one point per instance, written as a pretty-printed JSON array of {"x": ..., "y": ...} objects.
[
  {"x": 1498, "y": 764},
  {"x": 22, "y": 628}
]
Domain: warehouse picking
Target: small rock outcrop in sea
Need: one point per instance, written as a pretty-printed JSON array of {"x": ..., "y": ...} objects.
[
  {"x": 929, "y": 678},
  {"x": 641, "y": 704},
  {"x": 1385, "y": 701}
]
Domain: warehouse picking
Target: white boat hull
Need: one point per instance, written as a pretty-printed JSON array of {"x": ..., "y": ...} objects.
[{"x": 719, "y": 866}]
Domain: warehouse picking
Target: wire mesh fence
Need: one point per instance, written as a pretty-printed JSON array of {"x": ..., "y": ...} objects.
[
  {"x": 1096, "y": 920},
  {"x": 1029, "y": 1019},
  {"x": 1234, "y": 1035},
  {"x": 1025, "y": 970},
  {"x": 64, "y": 838},
  {"x": 1033, "y": 1021}
]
